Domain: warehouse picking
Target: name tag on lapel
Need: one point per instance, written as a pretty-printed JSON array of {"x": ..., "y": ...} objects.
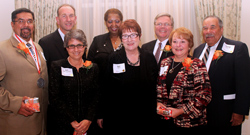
[
  {"x": 163, "y": 70},
  {"x": 229, "y": 97},
  {"x": 228, "y": 48},
  {"x": 67, "y": 72},
  {"x": 119, "y": 68}
]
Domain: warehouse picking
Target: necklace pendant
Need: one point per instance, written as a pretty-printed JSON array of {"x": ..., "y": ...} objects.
[{"x": 171, "y": 70}]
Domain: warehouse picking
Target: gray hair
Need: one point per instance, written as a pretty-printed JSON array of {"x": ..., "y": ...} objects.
[
  {"x": 165, "y": 14},
  {"x": 75, "y": 34},
  {"x": 214, "y": 16}
]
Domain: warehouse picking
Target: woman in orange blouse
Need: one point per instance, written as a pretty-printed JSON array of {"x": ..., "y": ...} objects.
[{"x": 183, "y": 89}]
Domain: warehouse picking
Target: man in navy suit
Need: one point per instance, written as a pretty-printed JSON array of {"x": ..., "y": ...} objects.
[
  {"x": 163, "y": 26},
  {"x": 228, "y": 65},
  {"x": 52, "y": 44},
  {"x": 53, "y": 48}
]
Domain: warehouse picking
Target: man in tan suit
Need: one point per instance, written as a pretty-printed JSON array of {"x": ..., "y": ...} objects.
[{"x": 23, "y": 74}]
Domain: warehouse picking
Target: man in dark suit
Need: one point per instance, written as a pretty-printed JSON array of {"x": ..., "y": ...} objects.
[
  {"x": 163, "y": 26},
  {"x": 53, "y": 48},
  {"x": 228, "y": 64},
  {"x": 52, "y": 44}
]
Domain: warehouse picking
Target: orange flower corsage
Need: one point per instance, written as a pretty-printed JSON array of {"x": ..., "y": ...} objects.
[
  {"x": 23, "y": 49},
  {"x": 187, "y": 63},
  {"x": 87, "y": 64},
  {"x": 217, "y": 55},
  {"x": 167, "y": 49}
]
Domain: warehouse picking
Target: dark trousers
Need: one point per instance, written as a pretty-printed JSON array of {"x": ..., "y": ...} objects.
[
  {"x": 167, "y": 127},
  {"x": 229, "y": 130}
]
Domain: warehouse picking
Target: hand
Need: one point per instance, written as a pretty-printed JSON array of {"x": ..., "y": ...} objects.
[
  {"x": 24, "y": 110},
  {"x": 176, "y": 112},
  {"x": 160, "y": 105},
  {"x": 236, "y": 119},
  {"x": 81, "y": 127},
  {"x": 100, "y": 123}
]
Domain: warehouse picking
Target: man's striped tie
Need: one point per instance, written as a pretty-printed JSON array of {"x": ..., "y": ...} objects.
[{"x": 205, "y": 57}]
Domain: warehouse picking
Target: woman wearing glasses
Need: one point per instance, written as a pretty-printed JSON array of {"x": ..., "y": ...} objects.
[
  {"x": 73, "y": 87},
  {"x": 131, "y": 95}
]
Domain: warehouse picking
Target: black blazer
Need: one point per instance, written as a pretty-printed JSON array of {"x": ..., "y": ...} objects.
[
  {"x": 139, "y": 101},
  {"x": 150, "y": 47},
  {"x": 53, "y": 48},
  {"x": 230, "y": 75},
  {"x": 99, "y": 52},
  {"x": 75, "y": 96}
]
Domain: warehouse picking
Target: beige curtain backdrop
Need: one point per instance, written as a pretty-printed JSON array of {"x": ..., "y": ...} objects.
[
  {"x": 228, "y": 10},
  {"x": 45, "y": 14},
  {"x": 90, "y": 14}
]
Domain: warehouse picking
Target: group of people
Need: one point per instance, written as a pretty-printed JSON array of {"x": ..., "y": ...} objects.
[{"x": 120, "y": 87}]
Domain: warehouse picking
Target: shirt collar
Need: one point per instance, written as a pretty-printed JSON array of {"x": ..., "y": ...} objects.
[
  {"x": 22, "y": 40},
  {"x": 61, "y": 34},
  {"x": 216, "y": 44}
]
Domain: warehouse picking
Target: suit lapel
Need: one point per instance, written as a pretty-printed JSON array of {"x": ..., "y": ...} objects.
[
  {"x": 213, "y": 64},
  {"x": 59, "y": 44},
  {"x": 27, "y": 57},
  {"x": 108, "y": 45}
]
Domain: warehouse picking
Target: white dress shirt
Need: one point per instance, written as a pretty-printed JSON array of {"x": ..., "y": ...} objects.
[{"x": 211, "y": 53}]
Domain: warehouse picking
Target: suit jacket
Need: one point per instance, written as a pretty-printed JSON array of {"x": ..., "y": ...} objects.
[
  {"x": 18, "y": 78},
  {"x": 229, "y": 75},
  {"x": 150, "y": 47},
  {"x": 53, "y": 48}
]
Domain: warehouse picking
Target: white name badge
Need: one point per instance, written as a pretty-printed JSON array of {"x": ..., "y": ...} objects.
[
  {"x": 119, "y": 68},
  {"x": 67, "y": 72},
  {"x": 228, "y": 48},
  {"x": 229, "y": 97},
  {"x": 163, "y": 70}
]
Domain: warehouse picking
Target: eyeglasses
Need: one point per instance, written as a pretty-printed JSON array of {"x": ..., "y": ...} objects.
[
  {"x": 79, "y": 46},
  {"x": 132, "y": 36},
  {"x": 162, "y": 24},
  {"x": 22, "y": 21}
]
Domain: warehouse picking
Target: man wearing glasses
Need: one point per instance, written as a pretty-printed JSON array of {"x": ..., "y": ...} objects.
[
  {"x": 23, "y": 75},
  {"x": 163, "y": 26}
]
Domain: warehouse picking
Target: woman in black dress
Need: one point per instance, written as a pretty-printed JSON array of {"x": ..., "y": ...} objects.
[
  {"x": 73, "y": 87},
  {"x": 131, "y": 89}
]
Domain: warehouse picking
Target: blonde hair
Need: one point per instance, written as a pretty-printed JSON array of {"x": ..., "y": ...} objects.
[{"x": 184, "y": 33}]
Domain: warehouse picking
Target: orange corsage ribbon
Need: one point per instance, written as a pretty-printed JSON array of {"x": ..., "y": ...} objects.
[
  {"x": 23, "y": 49},
  {"x": 87, "y": 64},
  {"x": 187, "y": 63},
  {"x": 167, "y": 49},
  {"x": 217, "y": 55}
]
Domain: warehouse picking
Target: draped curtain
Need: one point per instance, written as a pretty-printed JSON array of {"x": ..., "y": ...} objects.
[
  {"x": 228, "y": 10},
  {"x": 90, "y": 15}
]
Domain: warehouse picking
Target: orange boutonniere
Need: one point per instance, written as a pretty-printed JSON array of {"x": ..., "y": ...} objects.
[
  {"x": 87, "y": 64},
  {"x": 217, "y": 55},
  {"x": 167, "y": 49},
  {"x": 23, "y": 49},
  {"x": 187, "y": 63}
]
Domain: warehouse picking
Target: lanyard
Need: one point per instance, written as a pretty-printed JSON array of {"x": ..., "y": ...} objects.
[{"x": 36, "y": 57}]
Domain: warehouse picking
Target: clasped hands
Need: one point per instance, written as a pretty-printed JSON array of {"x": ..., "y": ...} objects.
[{"x": 81, "y": 127}]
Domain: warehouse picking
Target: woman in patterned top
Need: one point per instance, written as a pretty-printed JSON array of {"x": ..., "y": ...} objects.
[{"x": 183, "y": 88}]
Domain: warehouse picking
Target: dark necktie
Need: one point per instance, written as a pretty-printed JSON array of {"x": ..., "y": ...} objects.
[
  {"x": 158, "y": 52},
  {"x": 206, "y": 54}
]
